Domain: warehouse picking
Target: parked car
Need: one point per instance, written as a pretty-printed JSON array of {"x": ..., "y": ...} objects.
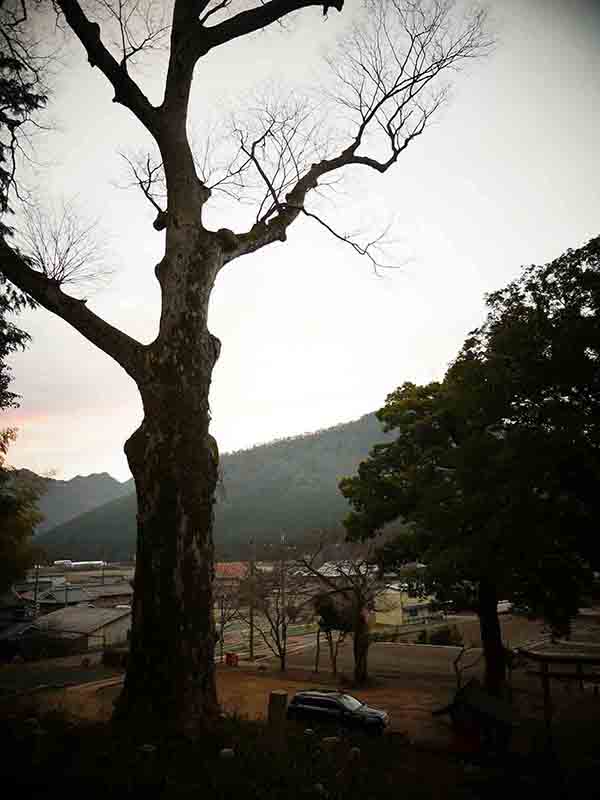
[{"x": 333, "y": 708}]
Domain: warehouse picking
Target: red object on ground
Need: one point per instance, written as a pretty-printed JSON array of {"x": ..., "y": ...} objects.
[{"x": 231, "y": 659}]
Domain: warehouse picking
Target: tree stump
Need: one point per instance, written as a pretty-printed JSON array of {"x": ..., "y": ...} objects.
[{"x": 277, "y": 708}]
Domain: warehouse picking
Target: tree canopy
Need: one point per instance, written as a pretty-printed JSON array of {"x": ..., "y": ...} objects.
[
  {"x": 18, "y": 518},
  {"x": 495, "y": 465}
]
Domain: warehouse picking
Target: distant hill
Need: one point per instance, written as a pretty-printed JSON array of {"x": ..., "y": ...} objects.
[
  {"x": 64, "y": 500},
  {"x": 287, "y": 486}
]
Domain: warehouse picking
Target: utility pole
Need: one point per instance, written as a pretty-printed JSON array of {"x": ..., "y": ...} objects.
[
  {"x": 36, "y": 609},
  {"x": 251, "y": 620},
  {"x": 222, "y": 599},
  {"x": 283, "y": 608}
]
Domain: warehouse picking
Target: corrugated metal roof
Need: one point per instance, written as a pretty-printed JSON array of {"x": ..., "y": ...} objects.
[
  {"x": 58, "y": 595},
  {"x": 337, "y": 569},
  {"x": 79, "y": 619},
  {"x": 231, "y": 569},
  {"x": 95, "y": 592}
]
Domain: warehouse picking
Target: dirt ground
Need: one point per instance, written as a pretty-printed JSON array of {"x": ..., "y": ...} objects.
[
  {"x": 246, "y": 693},
  {"x": 421, "y": 681}
]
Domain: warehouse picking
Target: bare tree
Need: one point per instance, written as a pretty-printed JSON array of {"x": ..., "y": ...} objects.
[
  {"x": 227, "y": 607},
  {"x": 388, "y": 83},
  {"x": 350, "y": 590},
  {"x": 280, "y": 598}
]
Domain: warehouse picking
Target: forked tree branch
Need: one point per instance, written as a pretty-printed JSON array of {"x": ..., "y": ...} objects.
[
  {"x": 127, "y": 92},
  {"x": 126, "y": 351},
  {"x": 388, "y": 73},
  {"x": 147, "y": 175},
  {"x": 255, "y": 19}
]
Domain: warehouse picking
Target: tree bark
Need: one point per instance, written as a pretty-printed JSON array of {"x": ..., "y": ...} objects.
[
  {"x": 332, "y": 653},
  {"x": 361, "y": 648},
  {"x": 174, "y": 461},
  {"x": 491, "y": 638}
]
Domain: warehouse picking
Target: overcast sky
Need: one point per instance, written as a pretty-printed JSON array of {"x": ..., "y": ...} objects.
[{"x": 509, "y": 174}]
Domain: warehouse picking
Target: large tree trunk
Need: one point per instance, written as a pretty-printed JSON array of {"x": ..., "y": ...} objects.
[
  {"x": 170, "y": 675},
  {"x": 491, "y": 638},
  {"x": 361, "y": 648}
]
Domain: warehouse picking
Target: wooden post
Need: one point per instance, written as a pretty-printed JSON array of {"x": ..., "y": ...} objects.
[
  {"x": 251, "y": 620},
  {"x": 547, "y": 698},
  {"x": 283, "y": 603},
  {"x": 277, "y": 708}
]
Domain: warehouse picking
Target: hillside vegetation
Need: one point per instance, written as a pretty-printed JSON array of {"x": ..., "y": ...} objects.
[
  {"x": 288, "y": 486},
  {"x": 64, "y": 500}
]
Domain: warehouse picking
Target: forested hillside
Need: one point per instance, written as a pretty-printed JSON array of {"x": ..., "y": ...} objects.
[
  {"x": 64, "y": 500},
  {"x": 288, "y": 486}
]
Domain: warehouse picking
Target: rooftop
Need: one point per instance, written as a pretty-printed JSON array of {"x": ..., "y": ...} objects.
[
  {"x": 231, "y": 569},
  {"x": 57, "y": 595},
  {"x": 81, "y": 619},
  {"x": 95, "y": 591}
]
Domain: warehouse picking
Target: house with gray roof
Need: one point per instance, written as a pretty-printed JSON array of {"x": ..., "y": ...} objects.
[
  {"x": 109, "y": 595},
  {"x": 58, "y": 597},
  {"x": 74, "y": 629}
]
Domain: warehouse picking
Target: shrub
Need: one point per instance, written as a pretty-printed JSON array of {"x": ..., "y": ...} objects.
[{"x": 449, "y": 635}]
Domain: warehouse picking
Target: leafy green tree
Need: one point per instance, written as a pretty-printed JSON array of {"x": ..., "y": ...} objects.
[
  {"x": 495, "y": 466},
  {"x": 22, "y": 94},
  {"x": 18, "y": 517}
]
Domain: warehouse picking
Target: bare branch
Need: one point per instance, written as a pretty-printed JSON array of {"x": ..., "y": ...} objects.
[
  {"x": 139, "y": 24},
  {"x": 220, "y": 6},
  {"x": 149, "y": 177},
  {"x": 257, "y": 18},
  {"x": 388, "y": 78},
  {"x": 362, "y": 250},
  {"x": 61, "y": 245},
  {"x": 127, "y": 92},
  {"x": 125, "y": 350}
]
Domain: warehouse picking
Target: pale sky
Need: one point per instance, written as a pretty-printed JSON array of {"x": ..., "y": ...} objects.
[{"x": 508, "y": 174}]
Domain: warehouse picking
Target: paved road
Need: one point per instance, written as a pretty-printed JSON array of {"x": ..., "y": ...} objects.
[
  {"x": 236, "y": 637},
  {"x": 394, "y": 660}
]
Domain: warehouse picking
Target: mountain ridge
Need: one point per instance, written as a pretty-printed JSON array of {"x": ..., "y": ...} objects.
[
  {"x": 63, "y": 500},
  {"x": 288, "y": 485}
]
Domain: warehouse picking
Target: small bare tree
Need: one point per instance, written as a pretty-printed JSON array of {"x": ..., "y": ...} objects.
[
  {"x": 280, "y": 597},
  {"x": 351, "y": 590},
  {"x": 227, "y": 606}
]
